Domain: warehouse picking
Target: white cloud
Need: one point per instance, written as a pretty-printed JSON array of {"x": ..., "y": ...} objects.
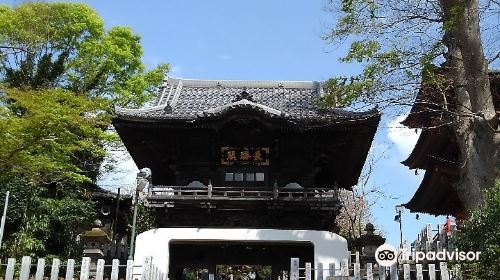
[
  {"x": 175, "y": 71},
  {"x": 404, "y": 138}
]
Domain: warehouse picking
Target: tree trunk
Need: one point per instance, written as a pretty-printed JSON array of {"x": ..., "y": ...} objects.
[{"x": 475, "y": 122}]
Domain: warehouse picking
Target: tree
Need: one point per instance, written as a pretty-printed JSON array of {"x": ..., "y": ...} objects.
[
  {"x": 355, "y": 213},
  {"x": 356, "y": 204},
  {"x": 403, "y": 44},
  {"x": 45, "y": 132},
  {"x": 480, "y": 233},
  {"x": 60, "y": 73},
  {"x": 63, "y": 45},
  {"x": 43, "y": 220}
]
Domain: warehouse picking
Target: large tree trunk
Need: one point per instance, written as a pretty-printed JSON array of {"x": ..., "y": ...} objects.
[{"x": 475, "y": 122}]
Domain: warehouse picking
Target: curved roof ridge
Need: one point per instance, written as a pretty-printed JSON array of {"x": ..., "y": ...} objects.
[{"x": 245, "y": 83}]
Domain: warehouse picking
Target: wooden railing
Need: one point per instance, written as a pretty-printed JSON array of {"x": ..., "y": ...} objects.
[
  {"x": 248, "y": 192},
  {"x": 240, "y": 193}
]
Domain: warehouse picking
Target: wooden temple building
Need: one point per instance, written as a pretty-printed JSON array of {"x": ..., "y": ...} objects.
[
  {"x": 437, "y": 152},
  {"x": 244, "y": 172},
  {"x": 258, "y": 154}
]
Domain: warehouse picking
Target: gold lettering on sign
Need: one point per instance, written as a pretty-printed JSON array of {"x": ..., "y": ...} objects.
[
  {"x": 252, "y": 156},
  {"x": 245, "y": 155},
  {"x": 257, "y": 156},
  {"x": 231, "y": 155}
]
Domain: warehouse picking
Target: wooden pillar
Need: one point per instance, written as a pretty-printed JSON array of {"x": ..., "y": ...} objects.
[
  {"x": 212, "y": 269},
  {"x": 176, "y": 273},
  {"x": 275, "y": 271}
]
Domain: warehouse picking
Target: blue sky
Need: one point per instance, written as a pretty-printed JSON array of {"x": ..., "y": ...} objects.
[{"x": 261, "y": 40}]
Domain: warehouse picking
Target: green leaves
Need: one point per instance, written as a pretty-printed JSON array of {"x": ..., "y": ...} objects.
[
  {"x": 56, "y": 25},
  {"x": 392, "y": 42},
  {"x": 145, "y": 218},
  {"x": 453, "y": 16},
  {"x": 343, "y": 91},
  {"x": 352, "y": 6},
  {"x": 140, "y": 88},
  {"x": 63, "y": 45},
  {"x": 377, "y": 64},
  {"x": 38, "y": 39},
  {"x": 43, "y": 131},
  {"x": 361, "y": 51},
  {"x": 62, "y": 72},
  {"x": 480, "y": 233},
  {"x": 40, "y": 223}
]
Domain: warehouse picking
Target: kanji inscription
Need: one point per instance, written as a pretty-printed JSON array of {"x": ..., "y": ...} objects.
[{"x": 245, "y": 156}]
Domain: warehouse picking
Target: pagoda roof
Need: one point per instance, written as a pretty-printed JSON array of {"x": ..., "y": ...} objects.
[
  {"x": 437, "y": 143},
  {"x": 436, "y": 194},
  {"x": 188, "y": 100},
  {"x": 428, "y": 111}
]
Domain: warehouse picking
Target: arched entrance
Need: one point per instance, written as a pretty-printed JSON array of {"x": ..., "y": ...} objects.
[{"x": 211, "y": 254}]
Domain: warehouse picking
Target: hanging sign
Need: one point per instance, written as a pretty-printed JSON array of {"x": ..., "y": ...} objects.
[{"x": 244, "y": 156}]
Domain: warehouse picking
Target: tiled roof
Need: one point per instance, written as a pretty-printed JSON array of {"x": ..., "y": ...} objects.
[{"x": 182, "y": 99}]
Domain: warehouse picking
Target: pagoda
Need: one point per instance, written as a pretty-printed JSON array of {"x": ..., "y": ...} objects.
[
  {"x": 246, "y": 154},
  {"x": 437, "y": 152}
]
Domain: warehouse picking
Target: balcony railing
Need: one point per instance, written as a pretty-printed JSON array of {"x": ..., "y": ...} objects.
[{"x": 173, "y": 193}]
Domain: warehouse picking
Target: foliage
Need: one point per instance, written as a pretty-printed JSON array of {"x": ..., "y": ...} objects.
[
  {"x": 404, "y": 44},
  {"x": 60, "y": 74},
  {"x": 145, "y": 218},
  {"x": 47, "y": 45},
  {"x": 40, "y": 223},
  {"x": 44, "y": 133},
  {"x": 480, "y": 233},
  {"x": 354, "y": 214},
  {"x": 356, "y": 205},
  {"x": 244, "y": 272},
  {"x": 397, "y": 43},
  {"x": 46, "y": 48}
]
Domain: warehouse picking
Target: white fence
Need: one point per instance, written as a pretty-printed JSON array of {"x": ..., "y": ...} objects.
[
  {"x": 84, "y": 271},
  {"x": 369, "y": 272}
]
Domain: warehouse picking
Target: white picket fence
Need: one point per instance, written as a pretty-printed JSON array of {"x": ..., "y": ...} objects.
[
  {"x": 356, "y": 273},
  {"x": 149, "y": 271}
]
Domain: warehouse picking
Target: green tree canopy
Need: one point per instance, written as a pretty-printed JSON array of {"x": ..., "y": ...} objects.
[
  {"x": 480, "y": 233},
  {"x": 45, "y": 132},
  {"x": 63, "y": 45},
  {"x": 61, "y": 72},
  {"x": 42, "y": 220}
]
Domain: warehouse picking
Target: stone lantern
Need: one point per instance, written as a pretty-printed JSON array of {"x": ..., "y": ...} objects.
[
  {"x": 369, "y": 243},
  {"x": 93, "y": 242}
]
